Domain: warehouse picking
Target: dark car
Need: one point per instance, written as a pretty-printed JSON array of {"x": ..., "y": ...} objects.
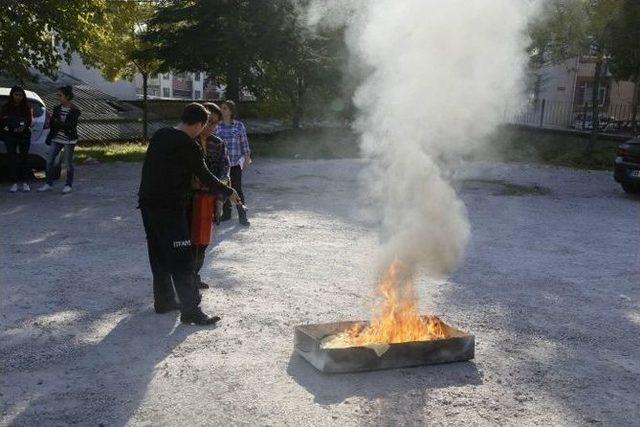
[{"x": 627, "y": 166}]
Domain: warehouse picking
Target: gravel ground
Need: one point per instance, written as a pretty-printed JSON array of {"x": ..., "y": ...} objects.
[{"x": 550, "y": 287}]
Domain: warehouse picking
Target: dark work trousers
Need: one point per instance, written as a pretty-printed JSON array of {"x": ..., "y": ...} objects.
[
  {"x": 198, "y": 252},
  {"x": 18, "y": 157},
  {"x": 171, "y": 257},
  {"x": 235, "y": 173}
]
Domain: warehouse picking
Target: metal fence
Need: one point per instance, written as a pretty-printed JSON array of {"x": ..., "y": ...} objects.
[{"x": 613, "y": 118}]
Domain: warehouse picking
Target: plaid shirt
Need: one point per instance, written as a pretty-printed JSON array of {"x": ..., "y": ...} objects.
[{"x": 235, "y": 138}]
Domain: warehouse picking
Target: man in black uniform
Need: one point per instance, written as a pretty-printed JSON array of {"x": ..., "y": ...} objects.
[{"x": 172, "y": 159}]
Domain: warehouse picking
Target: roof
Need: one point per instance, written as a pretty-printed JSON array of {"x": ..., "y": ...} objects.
[
  {"x": 106, "y": 118},
  {"x": 94, "y": 104}
]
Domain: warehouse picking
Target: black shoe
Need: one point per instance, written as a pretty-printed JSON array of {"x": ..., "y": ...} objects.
[
  {"x": 199, "y": 318},
  {"x": 242, "y": 216},
  {"x": 166, "y": 308},
  {"x": 203, "y": 285}
]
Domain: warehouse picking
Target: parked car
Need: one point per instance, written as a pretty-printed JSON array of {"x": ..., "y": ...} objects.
[
  {"x": 39, "y": 151},
  {"x": 627, "y": 166}
]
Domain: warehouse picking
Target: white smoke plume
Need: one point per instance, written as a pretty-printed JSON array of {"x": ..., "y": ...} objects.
[{"x": 439, "y": 74}]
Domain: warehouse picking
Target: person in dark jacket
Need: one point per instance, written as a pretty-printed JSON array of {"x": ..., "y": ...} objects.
[
  {"x": 217, "y": 160},
  {"x": 172, "y": 160},
  {"x": 16, "y": 118},
  {"x": 63, "y": 134}
]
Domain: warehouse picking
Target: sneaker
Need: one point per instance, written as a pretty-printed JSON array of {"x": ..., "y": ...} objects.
[
  {"x": 46, "y": 187},
  {"x": 13, "y": 188},
  {"x": 25, "y": 187},
  {"x": 199, "y": 318},
  {"x": 67, "y": 189}
]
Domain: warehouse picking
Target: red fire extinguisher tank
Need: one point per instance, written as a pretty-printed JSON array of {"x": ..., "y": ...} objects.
[{"x": 204, "y": 206}]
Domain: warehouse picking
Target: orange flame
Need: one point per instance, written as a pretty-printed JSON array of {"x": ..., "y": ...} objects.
[{"x": 398, "y": 319}]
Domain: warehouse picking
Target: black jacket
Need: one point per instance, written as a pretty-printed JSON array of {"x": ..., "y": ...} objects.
[
  {"x": 69, "y": 126},
  {"x": 11, "y": 119},
  {"x": 171, "y": 161}
]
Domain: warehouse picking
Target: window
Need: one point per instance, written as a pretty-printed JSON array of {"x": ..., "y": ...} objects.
[
  {"x": 197, "y": 95},
  {"x": 165, "y": 76},
  {"x": 196, "y": 77},
  {"x": 166, "y": 93}
]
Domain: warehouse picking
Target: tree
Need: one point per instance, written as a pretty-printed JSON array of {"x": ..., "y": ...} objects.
[
  {"x": 625, "y": 51},
  {"x": 229, "y": 39},
  {"x": 122, "y": 51},
  {"x": 570, "y": 28},
  {"x": 38, "y": 34},
  {"x": 311, "y": 68}
]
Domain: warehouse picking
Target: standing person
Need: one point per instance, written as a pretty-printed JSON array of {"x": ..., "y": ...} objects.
[
  {"x": 63, "y": 134},
  {"x": 234, "y": 134},
  {"x": 217, "y": 160},
  {"x": 172, "y": 160},
  {"x": 16, "y": 118}
]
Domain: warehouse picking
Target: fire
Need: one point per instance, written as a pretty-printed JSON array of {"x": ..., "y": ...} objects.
[{"x": 397, "y": 319}]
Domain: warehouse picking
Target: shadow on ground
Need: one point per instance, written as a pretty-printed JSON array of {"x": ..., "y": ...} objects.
[
  {"x": 110, "y": 378},
  {"x": 330, "y": 389}
]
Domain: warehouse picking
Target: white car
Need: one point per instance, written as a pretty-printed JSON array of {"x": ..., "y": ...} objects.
[{"x": 38, "y": 151}]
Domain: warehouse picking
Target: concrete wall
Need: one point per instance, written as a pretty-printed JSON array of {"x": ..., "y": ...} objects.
[{"x": 558, "y": 81}]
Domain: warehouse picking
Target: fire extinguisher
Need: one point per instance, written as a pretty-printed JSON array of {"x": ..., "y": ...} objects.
[{"x": 204, "y": 207}]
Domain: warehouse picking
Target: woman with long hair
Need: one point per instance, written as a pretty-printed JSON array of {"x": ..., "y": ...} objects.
[
  {"x": 217, "y": 160},
  {"x": 16, "y": 118},
  {"x": 234, "y": 134},
  {"x": 63, "y": 134}
]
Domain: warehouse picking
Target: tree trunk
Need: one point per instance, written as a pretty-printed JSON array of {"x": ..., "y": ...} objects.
[
  {"x": 634, "y": 109},
  {"x": 595, "y": 110},
  {"x": 232, "y": 90},
  {"x": 298, "y": 106},
  {"x": 145, "y": 107}
]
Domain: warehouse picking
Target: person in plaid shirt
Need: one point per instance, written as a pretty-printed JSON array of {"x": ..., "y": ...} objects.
[{"x": 234, "y": 134}]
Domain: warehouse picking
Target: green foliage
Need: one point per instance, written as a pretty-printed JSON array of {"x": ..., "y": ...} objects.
[
  {"x": 229, "y": 39},
  {"x": 625, "y": 48},
  {"x": 569, "y": 28},
  {"x": 252, "y": 45},
  {"x": 307, "y": 77},
  {"x": 30, "y": 29},
  {"x": 119, "y": 53}
]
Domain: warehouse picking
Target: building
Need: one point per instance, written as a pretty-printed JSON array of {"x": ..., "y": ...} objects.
[
  {"x": 122, "y": 89},
  {"x": 566, "y": 89},
  {"x": 167, "y": 85},
  {"x": 193, "y": 85}
]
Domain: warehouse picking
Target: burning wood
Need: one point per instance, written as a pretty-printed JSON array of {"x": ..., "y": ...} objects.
[{"x": 397, "y": 320}]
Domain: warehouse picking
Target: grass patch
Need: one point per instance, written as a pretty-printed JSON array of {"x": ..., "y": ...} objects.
[
  {"x": 326, "y": 143},
  {"x": 509, "y": 144},
  {"x": 530, "y": 146},
  {"x": 500, "y": 187},
  {"x": 111, "y": 152}
]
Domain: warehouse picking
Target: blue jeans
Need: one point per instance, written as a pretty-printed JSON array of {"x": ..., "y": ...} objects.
[{"x": 68, "y": 161}]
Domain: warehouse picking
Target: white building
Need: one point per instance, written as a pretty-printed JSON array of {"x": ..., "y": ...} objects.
[
  {"x": 167, "y": 85},
  {"x": 121, "y": 89},
  {"x": 173, "y": 85}
]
